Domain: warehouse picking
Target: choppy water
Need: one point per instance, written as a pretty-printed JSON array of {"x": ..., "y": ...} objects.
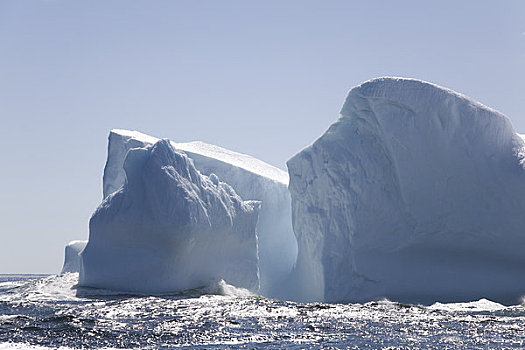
[{"x": 46, "y": 312}]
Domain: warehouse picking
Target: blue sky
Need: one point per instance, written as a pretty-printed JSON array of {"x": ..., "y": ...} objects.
[{"x": 264, "y": 78}]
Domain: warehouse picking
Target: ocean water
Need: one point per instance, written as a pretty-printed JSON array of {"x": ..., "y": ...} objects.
[{"x": 41, "y": 312}]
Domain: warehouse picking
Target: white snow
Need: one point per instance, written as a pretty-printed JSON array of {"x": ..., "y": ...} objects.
[
  {"x": 251, "y": 179},
  {"x": 170, "y": 228},
  {"x": 72, "y": 256},
  {"x": 416, "y": 194}
]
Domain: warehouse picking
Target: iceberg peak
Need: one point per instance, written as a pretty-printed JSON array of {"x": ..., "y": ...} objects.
[{"x": 408, "y": 92}]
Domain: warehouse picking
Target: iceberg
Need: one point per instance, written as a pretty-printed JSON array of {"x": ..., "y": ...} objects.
[
  {"x": 250, "y": 178},
  {"x": 415, "y": 194},
  {"x": 72, "y": 256},
  {"x": 169, "y": 228}
]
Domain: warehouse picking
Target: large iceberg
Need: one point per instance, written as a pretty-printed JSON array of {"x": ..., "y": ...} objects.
[
  {"x": 416, "y": 194},
  {"x": 170, "y": 228},
  {"x": 250, "y": 178}
]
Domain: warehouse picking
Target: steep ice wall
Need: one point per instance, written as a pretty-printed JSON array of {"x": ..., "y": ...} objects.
[
  {"x": 417, "y": 194},
  {"x": 251, "y": 179},
  {"x": 72, "y": 256},
  {"x": 169, "y": 228}
]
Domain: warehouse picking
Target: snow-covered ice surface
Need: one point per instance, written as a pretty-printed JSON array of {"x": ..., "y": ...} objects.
[
  {"x": 170, "y": 228},
  {"x": 46, "y": 313},
  {"x": 72, "y": 256},
  {"x": 416, "y": 194},
  {"x": 251, "y": 179},
  {"x": 120, "y": 141}
]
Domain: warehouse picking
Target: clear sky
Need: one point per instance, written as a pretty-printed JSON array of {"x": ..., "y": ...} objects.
[{"x": 264, "y": 78}]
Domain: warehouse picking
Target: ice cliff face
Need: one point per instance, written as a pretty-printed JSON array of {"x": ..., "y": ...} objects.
[
  {"x": 170, "y": 228},
  {"x": 250, "y": 178},
  {"x": 416, "y": 194}
]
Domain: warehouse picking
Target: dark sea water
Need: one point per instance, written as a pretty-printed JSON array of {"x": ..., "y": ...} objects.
[{"x": 39, "y": 312}]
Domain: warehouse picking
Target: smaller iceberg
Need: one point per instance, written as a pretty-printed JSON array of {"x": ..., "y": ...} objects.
[
  {"x": 170, "y": 228},
  {"x": 72, "y": 256},
  {"x": 251, "y": 178}
]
